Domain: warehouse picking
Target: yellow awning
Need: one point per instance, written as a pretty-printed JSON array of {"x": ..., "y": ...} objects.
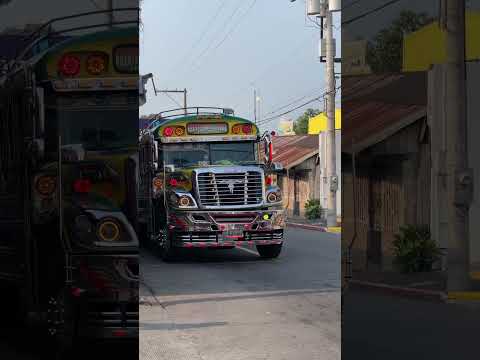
[{"x": 318, "y": 123}]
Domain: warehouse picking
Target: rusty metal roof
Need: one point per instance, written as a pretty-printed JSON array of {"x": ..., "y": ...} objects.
[
  {"x": 367, "y": 123},
  {"x": 291, "y": 150}
]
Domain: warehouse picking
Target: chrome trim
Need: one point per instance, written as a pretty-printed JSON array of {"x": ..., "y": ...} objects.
[
  {"x": 179, "y": 194},
  {"x": 240, "y": 170}
]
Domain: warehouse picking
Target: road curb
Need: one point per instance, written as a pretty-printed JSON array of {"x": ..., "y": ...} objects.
[
  {"x": 333, "y": 230},
  {"x": 431, "y": 295}
]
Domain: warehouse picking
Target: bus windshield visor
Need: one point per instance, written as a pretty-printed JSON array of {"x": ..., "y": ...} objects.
[
  {"x": 100, "y": 130},
  {"x": 191, "y": 154}
]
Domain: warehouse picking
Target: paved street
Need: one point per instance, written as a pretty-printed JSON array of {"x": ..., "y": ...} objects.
[
  {"x": 384, "y": 327},
  {"x": 232, "y": 305}
]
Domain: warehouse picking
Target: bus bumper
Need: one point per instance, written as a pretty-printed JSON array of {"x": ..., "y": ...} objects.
[{"x": 226, "y": 229}]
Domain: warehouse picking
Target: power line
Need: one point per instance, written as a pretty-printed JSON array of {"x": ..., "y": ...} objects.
[
  {"x": 232, "y": 15},
  {"x": 171, "y": 98},
  {"x": 365, "y": 14},
  {"x": 268, "y": 68},
  {"x": 289, "y": 104},
  {"x": 267, "y": 120},
  {"x": 351, "y": 88},
  {"x": 205, "y": 30},
  {"x": 231, "y": 30}
]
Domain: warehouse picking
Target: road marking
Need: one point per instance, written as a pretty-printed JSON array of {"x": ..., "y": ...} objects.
[{"x": 247, "y": 250}]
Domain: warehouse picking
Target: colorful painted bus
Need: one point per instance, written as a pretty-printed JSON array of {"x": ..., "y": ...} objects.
[
  {"x": 207, "y": 183},
  {"x": 69, "y": 135}
]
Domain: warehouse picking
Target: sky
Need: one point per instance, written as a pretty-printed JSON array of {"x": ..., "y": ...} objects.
[{"x": 220, "y": 50}]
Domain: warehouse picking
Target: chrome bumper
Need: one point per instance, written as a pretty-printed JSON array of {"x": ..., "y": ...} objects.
[{"x": 225, "y": 229}]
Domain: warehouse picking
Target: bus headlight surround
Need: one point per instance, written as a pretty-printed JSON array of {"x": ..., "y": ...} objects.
[
  {"x": 184, "y": 201},
  {"x": 108, "y": 230},
  {"x": 274, "y": 197}
]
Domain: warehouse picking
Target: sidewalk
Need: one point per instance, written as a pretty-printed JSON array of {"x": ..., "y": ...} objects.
[
  {"x": 427, "y": 286},
  {"x": 317, "y": 225}
]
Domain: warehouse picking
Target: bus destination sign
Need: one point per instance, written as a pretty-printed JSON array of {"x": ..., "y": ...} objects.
[{"x": 126, "y": 59}]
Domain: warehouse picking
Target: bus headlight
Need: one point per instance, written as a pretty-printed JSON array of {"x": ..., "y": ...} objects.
[
  {"x": 46, "y": 185},
  {"x": 274, "y": 197},
  {"x": 108, "y": 230},
  {"x": 183, "y": 200}
]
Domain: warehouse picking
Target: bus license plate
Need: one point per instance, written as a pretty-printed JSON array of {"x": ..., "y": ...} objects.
[{"x": 234, "y": 231}]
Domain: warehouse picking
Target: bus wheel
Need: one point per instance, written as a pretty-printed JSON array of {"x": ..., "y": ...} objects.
[
  {"x": 167, "y": 251},
  {"x": 269, "y": 251}
]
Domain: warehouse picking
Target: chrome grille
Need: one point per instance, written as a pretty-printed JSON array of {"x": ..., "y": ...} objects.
[{"x": 230, "y": 189}]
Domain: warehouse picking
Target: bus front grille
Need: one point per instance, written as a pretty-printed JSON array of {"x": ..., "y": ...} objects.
[{"x": 224, "y": 190}]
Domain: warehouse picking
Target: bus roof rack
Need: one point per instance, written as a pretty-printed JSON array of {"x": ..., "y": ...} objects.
[
  {"x": 189, "y": 111},
  {"x": 46, "y": 32}
]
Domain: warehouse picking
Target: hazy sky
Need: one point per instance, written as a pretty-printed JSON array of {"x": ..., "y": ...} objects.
[{"x": 220, "y": 49}]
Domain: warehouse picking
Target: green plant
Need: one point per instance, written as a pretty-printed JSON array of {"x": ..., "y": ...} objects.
[
  {"x": 313, "y": 209},
  {"x": 414, "y": 250}
]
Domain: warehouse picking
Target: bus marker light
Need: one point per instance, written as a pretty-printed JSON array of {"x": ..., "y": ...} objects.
[
  {"x": 82, "y": 186},
  {"x": 69, "y": 65},
  {"x": 168, "y": 131}
]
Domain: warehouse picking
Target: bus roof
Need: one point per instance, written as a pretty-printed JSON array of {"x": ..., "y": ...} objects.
[{"x": 208, "y": 126}]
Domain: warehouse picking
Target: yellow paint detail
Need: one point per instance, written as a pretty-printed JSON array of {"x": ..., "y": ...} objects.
[
  {"x": 106, "y": 46},
  {"x": 206, "y": 120},
  {"x": 464, "y": 295},
  {"x": 318, "y": 123},
  {"x": 427, "y": 46}
]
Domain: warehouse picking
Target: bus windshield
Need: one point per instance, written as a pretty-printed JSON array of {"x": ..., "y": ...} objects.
[
  {"x": 204, "y": 154},
  {"x": 100, "y": 129}
]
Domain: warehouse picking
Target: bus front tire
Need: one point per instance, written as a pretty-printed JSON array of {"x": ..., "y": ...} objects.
[{"x": 269, "y": 251}]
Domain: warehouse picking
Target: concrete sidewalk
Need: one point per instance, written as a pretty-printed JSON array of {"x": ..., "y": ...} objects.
[
  {"x": 316, "y": 225},
  {"x": 427, "y": 286}
]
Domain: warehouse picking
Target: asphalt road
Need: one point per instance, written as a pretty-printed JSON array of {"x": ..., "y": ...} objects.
[
  {"x": 232, "y": 305},
  {"x": 377, "y": 326}
]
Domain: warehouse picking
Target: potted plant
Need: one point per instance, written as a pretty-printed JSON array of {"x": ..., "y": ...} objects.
[{"x": 414, "y": 250}]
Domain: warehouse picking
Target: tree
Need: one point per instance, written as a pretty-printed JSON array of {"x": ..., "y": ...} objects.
[
  {"x": 384, "y": 54},
  {"x": 300, "y": 126}
]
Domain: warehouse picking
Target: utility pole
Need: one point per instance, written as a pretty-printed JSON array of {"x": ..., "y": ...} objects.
[
  {"x": 324, "y": 9},
  {"x": 331, "y": 158},
  {"x": 184, "y": 92},
  {"x": 110, "y": 13},
  {"x": 459, "y": 176},
  {"x": 185, "y": 100},
  {"x": 255, "y": 105}
]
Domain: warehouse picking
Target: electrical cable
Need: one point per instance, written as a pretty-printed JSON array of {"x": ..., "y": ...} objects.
[
  {"x": 171, "y": 98},
  {"x": 212, "y": 42},
  {"x": 205, "y": 30},
  {"x": 231, "y": 31},
  {"x": 365, "y": 14}
]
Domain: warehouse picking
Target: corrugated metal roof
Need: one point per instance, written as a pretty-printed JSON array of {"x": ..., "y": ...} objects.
[
  {"x": 292, "y": 149},
  {"x": 366, "y": 123}
]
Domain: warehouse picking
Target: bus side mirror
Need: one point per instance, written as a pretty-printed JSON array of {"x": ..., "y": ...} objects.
[
  {"x": 268, "y": 148},
  {"x": 277, "y": 167}
]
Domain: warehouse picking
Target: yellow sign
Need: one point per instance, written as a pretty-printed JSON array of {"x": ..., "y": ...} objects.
[
  {"x": 426, "y": 47},
  {"x": 318, "y": 123}
]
